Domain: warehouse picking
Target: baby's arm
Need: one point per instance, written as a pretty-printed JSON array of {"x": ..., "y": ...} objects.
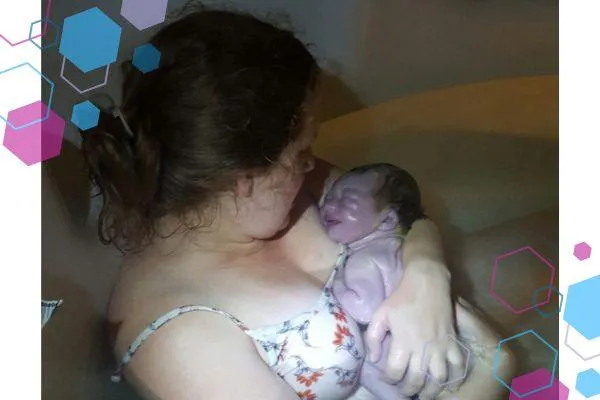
[{"x": 360, "y": 290}]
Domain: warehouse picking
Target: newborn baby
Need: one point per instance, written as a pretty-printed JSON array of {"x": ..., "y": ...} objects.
[{"x": 370, "y": 208}]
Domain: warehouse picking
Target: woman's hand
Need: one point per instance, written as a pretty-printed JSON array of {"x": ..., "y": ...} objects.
[{"x": 419, "y": 315}]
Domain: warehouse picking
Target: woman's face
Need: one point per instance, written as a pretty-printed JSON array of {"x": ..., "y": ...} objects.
[{"x": 265, "y": 210}]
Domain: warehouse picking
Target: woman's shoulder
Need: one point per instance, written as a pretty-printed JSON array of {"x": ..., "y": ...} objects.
[{"x": 142, "y": 294}]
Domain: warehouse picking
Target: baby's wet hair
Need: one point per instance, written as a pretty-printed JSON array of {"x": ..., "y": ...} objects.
[{"x": 397, "y": 189}]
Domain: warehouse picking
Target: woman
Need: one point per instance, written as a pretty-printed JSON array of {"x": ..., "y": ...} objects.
[{"x": 210, "y": 188}]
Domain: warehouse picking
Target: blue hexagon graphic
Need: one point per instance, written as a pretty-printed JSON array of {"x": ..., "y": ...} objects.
[
  {"x": 90, "y": 39},
  {"x": 497, "y": 361},
  {"x": 588, "y": 383},
  {"x": 85, "y": 115},
  {"x": 48, "y": 23},
  {"x": 146, "y": 58},
  {"x": 582, "y": 301},
  {"x": 548, "y": 289}
]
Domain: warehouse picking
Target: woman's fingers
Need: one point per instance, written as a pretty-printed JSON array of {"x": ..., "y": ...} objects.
[
  {"x": 457, "y": 366},
  {"x": 437, "y": 376},
  {"x": 414, "y": 378},
  {"x": 397, "y": 363},
  {"x": 374, "y": 336}
]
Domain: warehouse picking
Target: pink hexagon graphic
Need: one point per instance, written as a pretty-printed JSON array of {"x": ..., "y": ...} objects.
[
  {"x": 529, "y": 382},
  {"x": 582, "y": 251},
  {"x": 37, "y": 142},
  {"x": 506, "y": 302},
  {"x": 26, "y": 37},
  {"x": 144, "y": 13}
]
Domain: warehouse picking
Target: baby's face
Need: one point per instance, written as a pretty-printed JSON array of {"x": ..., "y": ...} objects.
[{"x": 348, "y": 212}]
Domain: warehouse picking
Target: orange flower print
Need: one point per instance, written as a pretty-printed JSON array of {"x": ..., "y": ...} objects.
[
  {"x": 307, "y": 395},
  {"x": 341, "y": 333},
  {"x": 339, "y": 315},
  {"x": 314, "y": 377}
]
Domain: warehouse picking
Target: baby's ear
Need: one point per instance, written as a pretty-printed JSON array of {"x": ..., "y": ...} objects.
[{"x": 389, "y": 220}]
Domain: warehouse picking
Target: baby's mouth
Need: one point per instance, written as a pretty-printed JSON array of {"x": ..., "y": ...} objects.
[{"x": 330, "y": 221}]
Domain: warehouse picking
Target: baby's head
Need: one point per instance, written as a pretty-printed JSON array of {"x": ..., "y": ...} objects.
[{"x": 369, "y": 198}]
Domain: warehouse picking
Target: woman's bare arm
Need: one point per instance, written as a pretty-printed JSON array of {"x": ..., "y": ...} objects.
[{"x": 203, "y": 356}]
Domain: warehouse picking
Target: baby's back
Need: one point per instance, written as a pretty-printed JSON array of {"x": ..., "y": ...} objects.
[{"x": 387, "y": 252}]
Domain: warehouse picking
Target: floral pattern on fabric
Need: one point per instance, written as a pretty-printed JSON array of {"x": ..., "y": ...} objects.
[{"x": 319, "y": 353}]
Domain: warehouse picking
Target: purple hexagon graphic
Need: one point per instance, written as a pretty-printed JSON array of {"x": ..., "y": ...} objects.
[
  {"x": 582, "y": 251},
  {"x": 38, "y": 142},
  {"x": 467, "y": 363},
  {"x": 529, "y": 382},
  {"x": 505, "y": 302},
  {"x": 144, "y": 13}
]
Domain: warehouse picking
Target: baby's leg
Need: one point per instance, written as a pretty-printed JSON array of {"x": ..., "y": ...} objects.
[{"x": 370, "y": 377}]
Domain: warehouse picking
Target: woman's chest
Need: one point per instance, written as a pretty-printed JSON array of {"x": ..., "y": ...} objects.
[{"x": 284, "y": 280}]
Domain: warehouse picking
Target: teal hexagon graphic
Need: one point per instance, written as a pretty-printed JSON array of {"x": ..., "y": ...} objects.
[
  {"x": 537, "y": 385},
  {"x": 581, "y": 305},
  {"x": 588, "y": 383},
  {"x": 552, "y": 310},
  {"x": 85, "y": 115},
  {"x": 146, "y": 58},
  {"x": 90, "y": 39}
]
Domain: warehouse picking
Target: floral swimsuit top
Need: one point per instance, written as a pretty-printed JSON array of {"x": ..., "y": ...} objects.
[{"x": 319, "y": 353}]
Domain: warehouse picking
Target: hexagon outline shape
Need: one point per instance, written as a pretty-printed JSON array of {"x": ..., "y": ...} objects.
[
  {"x": 575, "y": 351},
  {"x": 47, "y": 21},
  {"x": 510, "y": 253},
  {"x": 467, "y": 363},
  {"x": 496, "y": 360},
  {"x": 560, "y": 301},
  {"x": 67, "y": 42},
  {"x": 82, "y": 91},
  {"x": 11, "y": 44},
  {"x": 48, "y": 104}
]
